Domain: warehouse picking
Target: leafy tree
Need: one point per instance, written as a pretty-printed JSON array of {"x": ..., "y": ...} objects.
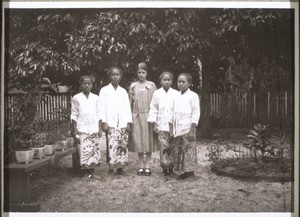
[{"x": 237, "y": 48}]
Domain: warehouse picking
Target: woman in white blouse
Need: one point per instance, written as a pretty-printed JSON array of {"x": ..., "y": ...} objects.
[
  {"x": 185, "y": 119},
  {"x": 115, "y": 113},
  {"x": 160, "y": 114},
  {"x": 86, "y": 125}
]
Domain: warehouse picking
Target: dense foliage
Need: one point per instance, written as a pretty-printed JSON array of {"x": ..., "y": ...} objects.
[
  {"x": 224, "y": 49},
  {"x": 239, "y": 49}
]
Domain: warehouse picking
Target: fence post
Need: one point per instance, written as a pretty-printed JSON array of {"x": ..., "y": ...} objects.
[
  {"x": 269, "y": 101},
  {"x": 254, "y": 109}
]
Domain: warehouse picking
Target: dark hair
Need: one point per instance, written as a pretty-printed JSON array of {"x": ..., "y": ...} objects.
[
  {"x": 112, "y": 68},
  {"x": 142, "y": 66},
  {"x": 188, "y": 76},
  {"x": 166, "y": 73},
  {"x": 85, "y": 76}
]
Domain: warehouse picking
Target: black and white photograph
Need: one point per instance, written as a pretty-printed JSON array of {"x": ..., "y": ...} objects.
[{"x": 150, "y": 108}]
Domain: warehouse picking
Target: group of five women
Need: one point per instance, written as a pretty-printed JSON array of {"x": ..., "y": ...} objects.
[{"x": 163, "y": 119}]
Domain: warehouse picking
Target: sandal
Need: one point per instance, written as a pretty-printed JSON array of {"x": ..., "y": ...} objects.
[
  {"x": 186, "y": 175},
  {"x": 147, "y": 172},
  {"x": 141, "y": 171}
]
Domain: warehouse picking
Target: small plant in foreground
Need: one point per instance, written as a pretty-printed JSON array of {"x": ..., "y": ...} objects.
[
  {"x": 258, "y": 141},
  {"x": 214, "y": 153}
]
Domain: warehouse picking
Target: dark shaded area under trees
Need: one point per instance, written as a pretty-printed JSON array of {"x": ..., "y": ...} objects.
[{"x": 248, "y": 50}]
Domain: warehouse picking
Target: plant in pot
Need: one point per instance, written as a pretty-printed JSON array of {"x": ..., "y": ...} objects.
[
  {"x": 23, "y": 151},
  {"x": 63, "y": 141},
  {"x": 50, "y": 143},
  {"x": 63, "y": 128},
  {"x": 70, "y": 140},
  {"x": 38, "y": 145}
]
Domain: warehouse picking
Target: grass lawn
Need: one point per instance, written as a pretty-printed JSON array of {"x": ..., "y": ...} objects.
[{"x": 58, "y": 190}]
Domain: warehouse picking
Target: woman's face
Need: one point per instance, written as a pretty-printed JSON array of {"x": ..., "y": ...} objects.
[
  {"x": 166, "y": 81},
  {"x": 115, "y": 76},
  {"x": 86, "y": 85},
  {"x": 183, "y": 83},
  {"x": 141, "y": 75}
]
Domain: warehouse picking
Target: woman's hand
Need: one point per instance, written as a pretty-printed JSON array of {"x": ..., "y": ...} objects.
[
  {"x": 76, "y": 137},
  {"x": 128, "y": 128},
  {"x": 192, "y": 133},
  {"x": 74, "y": 128},
  {"x": 105, "y": 127},
  {"x": 171, "y": 130},
  {"x": 99, "y": 132},
  {"x": 100, "y": 128},
  {"x": 155, "y": 127}
]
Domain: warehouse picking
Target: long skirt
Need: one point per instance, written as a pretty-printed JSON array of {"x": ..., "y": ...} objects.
[
  {"x": 166, "y": 156},
  {"x": 185, "y": 155},
  {"x": 143, "y": 137},
  {"x": 89, "y": 150},
  {"x": 117, "y": 148}
]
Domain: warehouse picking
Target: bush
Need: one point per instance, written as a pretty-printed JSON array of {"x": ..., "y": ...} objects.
[{"x": 258, "y": 141}]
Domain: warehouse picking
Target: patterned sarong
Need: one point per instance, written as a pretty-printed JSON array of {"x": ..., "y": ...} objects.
[
  {"x": 185, "y": 154},
  {"x": 165, "y": 151},
  {"x": 117, "y": 140},
  {"x": 89, "y": 150}
]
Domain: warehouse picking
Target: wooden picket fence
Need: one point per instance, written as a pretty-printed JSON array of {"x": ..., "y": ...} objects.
[
  {"x": 50, "y": 108},
  {"x": 234, "y": 110},
  {"x": 246, "y": 109}
]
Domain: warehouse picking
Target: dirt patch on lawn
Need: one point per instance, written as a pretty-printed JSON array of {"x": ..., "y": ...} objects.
[{"x": 268, "y": 169}]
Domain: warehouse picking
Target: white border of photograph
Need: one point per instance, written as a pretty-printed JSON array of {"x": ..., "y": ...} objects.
[{"x": 164, "y": 4}]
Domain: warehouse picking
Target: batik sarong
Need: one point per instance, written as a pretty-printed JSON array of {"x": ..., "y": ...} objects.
[
  {"x": 185, "y": 154},
  {"x": 166, "y": 157},
  {"x": 117, "y": 141},
  {"x": 89, "y": 150}
]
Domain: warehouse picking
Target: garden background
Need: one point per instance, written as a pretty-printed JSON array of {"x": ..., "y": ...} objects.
[{"x": 242, "y": 62}]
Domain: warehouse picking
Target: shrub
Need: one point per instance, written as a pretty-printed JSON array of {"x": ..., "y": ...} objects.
[
  {"x": 259, "y": 141},
  {"x": 214, "y": 153}
]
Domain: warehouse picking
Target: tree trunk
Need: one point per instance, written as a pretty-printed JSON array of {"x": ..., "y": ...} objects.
[{"x": 205, "y": 120}]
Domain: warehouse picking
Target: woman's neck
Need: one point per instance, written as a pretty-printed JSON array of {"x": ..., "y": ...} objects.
[
  {"x": 183, "y": 91},
  {"x": 115, "y": 85},
  {"x": 166, "y": 88},
  {"x": 86, "y": 94}
]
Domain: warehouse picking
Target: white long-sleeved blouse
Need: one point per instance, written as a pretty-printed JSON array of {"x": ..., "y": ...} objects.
[
  {"x": 114, "y": 106},
  {"x": 85, "y": 111},
  {"x": 161, "y": 107},
  {"x": 186, "y": 112}
]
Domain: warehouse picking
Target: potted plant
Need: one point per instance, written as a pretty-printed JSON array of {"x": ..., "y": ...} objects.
[
  {"x": 63, "y": 137},
  {"x": 38, "y": 145},
  {"x": 70, "y": 141},
  {"x": 50, "y": 144},
  {"x": 22, "y": 145},
  {"x": 61, "y": 145},
  {"x": 23, "y": 151}
]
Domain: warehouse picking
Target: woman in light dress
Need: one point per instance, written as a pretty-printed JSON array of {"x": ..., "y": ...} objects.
[{"x": 143, "y": 138}]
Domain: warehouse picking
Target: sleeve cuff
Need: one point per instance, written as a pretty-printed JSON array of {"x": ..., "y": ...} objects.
[
  {"x": 74, "y": 118},
  {"x": 151, "y": 119}
]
